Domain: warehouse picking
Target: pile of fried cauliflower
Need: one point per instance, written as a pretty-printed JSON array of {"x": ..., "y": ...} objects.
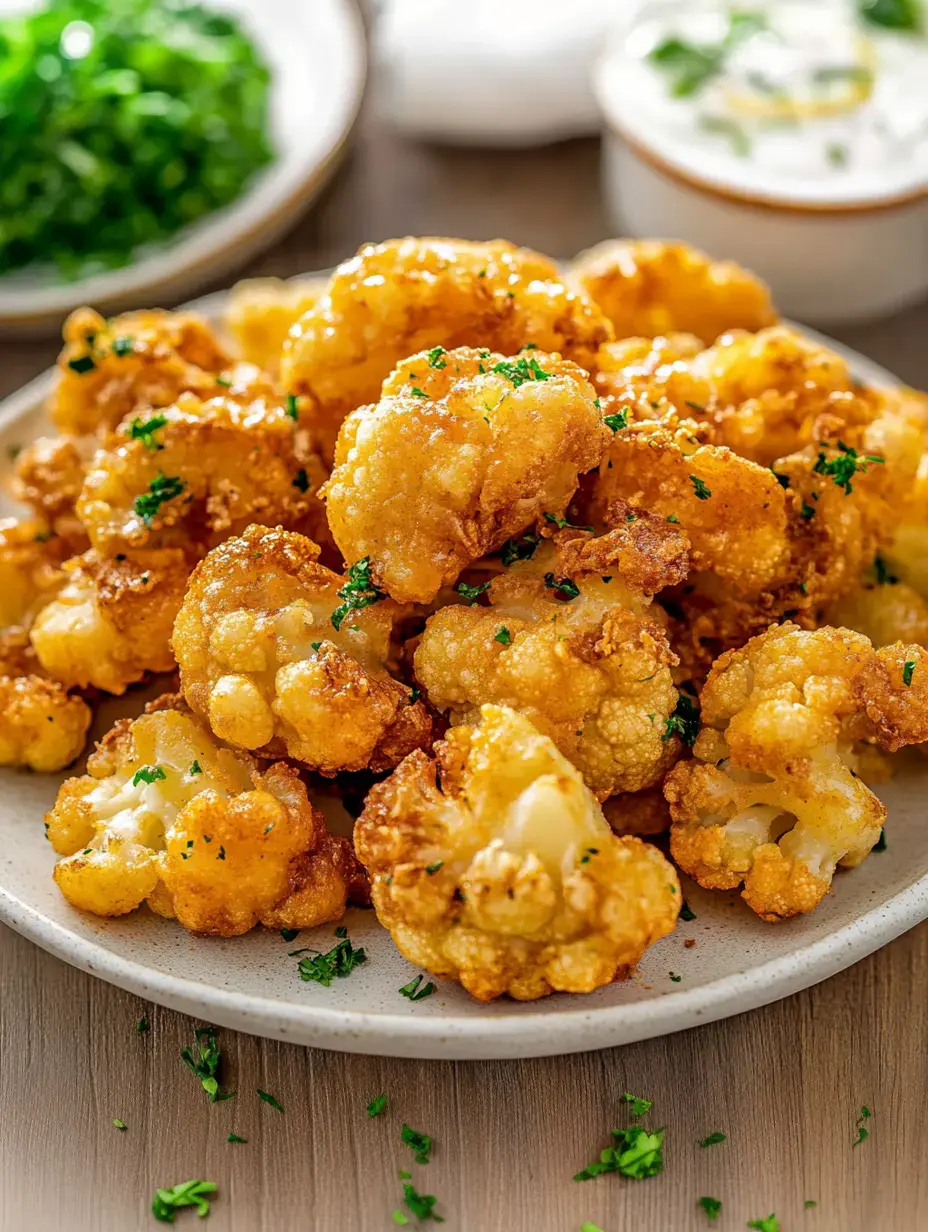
[{"x": 538, "y": 564}]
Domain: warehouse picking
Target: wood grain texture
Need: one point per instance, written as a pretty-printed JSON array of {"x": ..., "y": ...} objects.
[{"x": 784, "y": 1083}]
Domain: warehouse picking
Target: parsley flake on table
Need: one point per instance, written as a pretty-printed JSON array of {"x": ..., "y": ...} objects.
[
  {"x": 842, "y": 468},
  {"x": 235, "y": 1138},
  {"x": 590, "y": 1227},
  {"x": 269, "y": 1099},
  {"x": 414, "y": 992},
  {"x": 639, "y": 1106},
  {"x": 809, "y": 1203},
  {"x": 636, "y": 1153},
  {"x": 770, "y": 1224},
  {"x": 148, "y": 774},
  {"x": 521, "y": 371},
  {"x": 617, "y": 421},
  {"x": 377, "y": 1105},
  {"x": 142, "y": 1025},
  {"x": 471, "y": 593},
  {"x": 421, "y": 1205},
  {"x": 702, "y": 492},
  {"x": 565, "y": 587},
  {"x": 161, "y": 489},
  {"x": 167, "y": 1202},
  {"x": 863, "y": 1134},
  {"x": 399, "y": 1218},
  {"x": 711, "y": 1206},
  {"x": 713, "y": 1139},
  {"x": 908, "y": 671},
  {"x": 144, "y": 431},
  {"x": 358, "y": 592},
  {"x": 420, "y": 1144},
  {"x": 119, "y": 1124},
  {"x": 519, "y": 549},
  {"x": 340, "y": 961},
  {"x": 203, "y": 1061},
  {"x": 684, "y": 722}
]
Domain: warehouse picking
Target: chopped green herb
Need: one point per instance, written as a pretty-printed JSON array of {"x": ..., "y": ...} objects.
[
  {"x": 340, "y": 961},
  {"x": 289, "y": 934},
  {"x": 195, "y": 768},
  {"x": 903, "y": 15},
  {"x": 269, "y": 1099},
  {"x": 471, "y": 593},
  {"x": 519, "y": 549},
  {"x": 770, "y": 1224},
  {"x": 686, "y": 912},
  {"x": 503, "y": 636},
  {"x": 807, "y": 512},
  {"x": 292, "y": 407},
  {"x": 358, "y": 592},
  {"x": 414, "y": 992},
  {"x": 863, "y": 1134},
  {"x": 711, "y": 1206},
  {"x": 684, "y": 722},
  {"x": 436, "y": 357},
  {"x": 400, "y": 1218},
  {"x": 148, "y": 774},
  {"x": 691, "y": 66},
  {"x": 837, "y": 153},
  {"x": 567, "y": 588},
  {"x": 673, "y": 518},
  {"x": 203, "y": 1061},
  {"x": 301, "y": 481},
  {"x": 675, "y": 978},
  {"x": 842, "y": 468},
  {"x": 618, "y": 421},
  {"x": 122, "y": 347},
  {"x": 702, "y": 492},
  {"x": 562, "y": 523},
  {"x": 377, "y": 1105},
  {"x": 224, "y": 381},
  {"x": 162, "y": 488},
  {"x": 880, "y": 844},
  {"x": 638, "y": 1106},
  {"x": 722, "y": 126},
  {"x": 235, "y": 1138},
  {"x": 142, "y": 1025},
  {"x": 432, "y": 869},
  {"x": 884, "y": 577},
  {"x": 421, "y": 1205},
  {"x": 119, "y": 1124},
  {"x": 713, "y": 1139},
  {"x": 420, "y": 1144},
  {"x": 590, "y": 1227},
  {"x": 144, "y": 430},
  {"x": 521, "y": 371},
  {"x": 908, "y": 671},
  {"x": 414, "y": 694},
  {"x": 167, "y": 1202},
  {"x": 418, "y": 393},
  {"x": 81, "y": 364},
  {"x": 635, "y": 1153},
  {"x": 782, "y": 480},
  {"x": 809, "y": 1203}
]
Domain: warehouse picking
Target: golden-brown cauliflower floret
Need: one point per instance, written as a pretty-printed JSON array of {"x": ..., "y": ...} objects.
[
  {"x": 197, "y": 472},
  {"x": 644, "y": 813},
  {"x": 637, "y": 372},
  {"x": 284, "y": 656},
  {"x": 261, "y": 311},
  {"x": 130, "y": 364},
  {"x": 49, "y": 476},
  {"x": 30, "y": 570},
  {"x": 907, "y": 555},
  {"x": 566, "y": 641},
  {"x": 111, "y": 624},
  {"x": 464, "y": 449},
  {"x": 773, "y": 799},
  {"x": 42, "y": 727},
  {"x": 493, "y": 865},
  {"x": 651, "y": 287},
  {"x": 404, "y": 296},
  {"x": 884, "y": 609},
  {"x": 165, "y": 814}
]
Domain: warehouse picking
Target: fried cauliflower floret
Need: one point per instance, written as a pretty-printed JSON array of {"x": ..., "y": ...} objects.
[
  {"x": 198, "y": 472},
  {"x": 42, "y": 727},
  {"x": 493, "y": 865},
  {"x": 285, "y": 657},
  {"x": 165, "y": 814},
  {"x": 884, "y": 611},
  {"x": 408, "y": 295},
  {"x": 567, "y": 642},
  {"x": 644, "y": 813},
  {"x": 261, "y": 312},
  {"x": 49, "y": 476},
  {"x": 772, "y": 799},
  {"x": 111, "y": 623},
  {"x": 130, "y": 364},
  {"x": 30, "y": 570},
  {"x": 462, "y": 451},
  {"x": 651, "y": 287},
  {"x": 628, "y": 370}
]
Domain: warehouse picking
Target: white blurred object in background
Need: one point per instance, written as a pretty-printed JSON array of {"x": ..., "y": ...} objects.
[{"x": 491, "y": 72}]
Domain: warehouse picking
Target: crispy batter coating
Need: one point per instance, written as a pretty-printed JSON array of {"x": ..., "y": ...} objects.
[
  {"x": 129, "y": 365},
  {"x": 644, "y": 813},
  {"x": 408, "y": 295},
  {"x": 493, "y": 865},
  {"x": 591, "y": 672},
  {"x": 42, "y": 726},
  {"x": 49, "y": 476},
  {"x": 30, "y": 570},
  {"x": 651, "y": 287},
  {"x": 638, "y": 371},
  {"x": 111, "y": 623},
  {"x": 459, "y": 455},
  {"x": 165, "y": 813},
  {"x": 261, "y": 657},
  {"x": 261, "y": 312},
  {"x": 773, "y": 799},
  {"x": 884, "y": 612},
  {"x": 206, "y": 473}
]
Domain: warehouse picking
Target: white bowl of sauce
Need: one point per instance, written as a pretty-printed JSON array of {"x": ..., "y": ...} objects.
[{"x": 790, "y": 135}]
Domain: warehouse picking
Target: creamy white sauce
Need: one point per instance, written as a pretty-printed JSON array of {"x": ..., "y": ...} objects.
[{"x": 809, "y": 101}]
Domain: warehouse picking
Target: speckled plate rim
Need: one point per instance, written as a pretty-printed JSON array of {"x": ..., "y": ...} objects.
[{"x": 527, "y": 1034}]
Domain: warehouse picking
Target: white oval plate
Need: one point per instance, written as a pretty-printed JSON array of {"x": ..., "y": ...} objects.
[
  {"x": 250, "y": 983},
  {"x": 317, "y": 56}
]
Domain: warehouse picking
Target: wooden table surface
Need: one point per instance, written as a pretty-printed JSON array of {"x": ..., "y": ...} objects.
[{"x": 784, "y": 1083}]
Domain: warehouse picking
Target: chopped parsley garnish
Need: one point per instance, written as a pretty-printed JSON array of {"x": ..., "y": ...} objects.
[
  {"x": 436, "y": 357},
  {"x": 842, "y": 468},
  {"x": 863, "y": 1134},
  {"x": 162, "y": 488},
  {"x": 684, "y": 722},
  {"x": 837, "y": 153},
  {"x": 204, "y": 1062},
  {"x": 617, "y": 421},
  {"x": 224, "y": 381},
  {"x": 143, "y": 1025},
  {"x": 908, "y": 671},
  {"x": 686, "y": 912},
  {"x": 420, "y": 1144},
  {"x": 675, "y": 979},
  {"x": 903, "y": 15},
  {"x": 399, "y": 1218},
  {"x": 562, "y": 523},
  {"x": 144, "y": 430},
  {"x": 269, "y": 1099},
  {"x": 565, "y": 587},
  {"x": 235, "y": 1138},
  {"x": 414, "y": 992},
  {"x": 880, "y": 844},
  {"x": 148, "y": 774},
  {"x": 519, "y": 549},
  {"x": 122, "y": 347},
  {"x": 414, "y": 694},
  {"x": 301, "y": 481},
  {"x": 503, "y": 636},
  {"x": 421, "y": 1205},
  {"x": 807, "y": 512},
  {"x": 711, "y": 1206},
  {"x": 690, "y": 66},
  {"x": 635, "y": 1153},
  {"x": 195, "y": 768},
  {"x": 638, "y": 1106},
  {"x": 586, "y": 1226},
  {"x": 809, "y": 1203},
  {"x": 713, "y": 1139},
  {"x": 471, "y": 593},
  {"x": 702, "y": 492},
  {"x": 882, "y": 573},
  {"x": 167, "y": 1202},
  {"x": 340, "y": 961},
  {"x": 81, "y": 364},
  {"x": 358, "y": 592},
  {"x": 521, "y": 371},
  {"x": 377, "y": 1105},
  {"x": 119, "y": 1124},
  {"x": 418, "y": 393},
  {"x": 432, "y": 869},
  {"x": 770, "y": 1224},
  {"x": 292, "y": 406},
  {"x": 289, "y": 934}
]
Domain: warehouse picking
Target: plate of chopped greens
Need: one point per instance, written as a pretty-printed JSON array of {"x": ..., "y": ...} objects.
[{"x": 151, "y": 144}]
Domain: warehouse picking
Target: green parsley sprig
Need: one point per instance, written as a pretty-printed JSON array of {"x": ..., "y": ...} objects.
[
  {"x": 358, "y": 592},
  {"x": 635, "y": 1152},
  {"x": 167, "y": 1202},
  {"x": 338, "y": 962},
  {"x": 203, "y": 1061}
]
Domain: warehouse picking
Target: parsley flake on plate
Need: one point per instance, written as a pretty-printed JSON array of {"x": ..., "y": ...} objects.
[
  {"x": 358, "y": 592},
  {"x": 414, "y": 992},
  {"x": 420, "y": 1144},
  {"x": 880, "y": 844},
  {"x": 203, "y": 1061},
  {"x": 636, "y": 1153},
  {"x": 340, "y": 961},
  {"x": 686, "y": 912},
  {"x": 167, "y": 1202}
]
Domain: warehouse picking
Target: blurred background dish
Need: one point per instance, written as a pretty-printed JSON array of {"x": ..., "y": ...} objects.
[{"x": 194, "y": 84}]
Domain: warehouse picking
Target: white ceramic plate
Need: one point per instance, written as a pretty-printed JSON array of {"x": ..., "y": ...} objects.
[
  {"x": 316, "y": 52},
  {"x": 251, "y": 984}
]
